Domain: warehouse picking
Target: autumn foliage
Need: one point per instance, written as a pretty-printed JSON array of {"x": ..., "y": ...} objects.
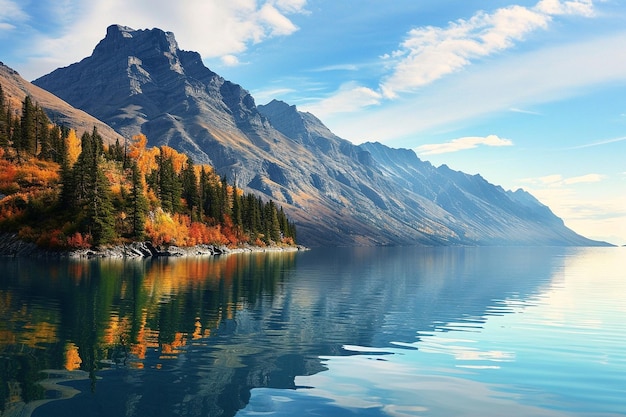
[{"x": 64, "y": 191}]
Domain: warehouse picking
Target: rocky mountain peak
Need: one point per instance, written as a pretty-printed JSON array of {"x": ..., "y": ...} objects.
[
  {"x": 155, "y": 40},
  {"x": 139, "y": 81}
]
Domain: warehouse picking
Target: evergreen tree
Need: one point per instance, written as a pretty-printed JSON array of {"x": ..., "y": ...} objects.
[
  {"x": 84, "y": 169},
  {"x": 100, "y": 212},
  {"x": 26, "y": 142},
  {"x": 4, "y": 121},
  {"x": 16, "y": 137},
  {"x": 116, "y": 152},
  {"x": 190, "y": 189},
  {"x": 237, "y": 213},
  {"x": 42, "y": 132},
  {"x": 225, "y": 201},
  {"x": 271, "y": 222},
  {"x": 138, "y": 205},
  {"x": 170, "y": 187},
  {"x": 203, "y": 193},
  {"x": 68, "y": 197}
]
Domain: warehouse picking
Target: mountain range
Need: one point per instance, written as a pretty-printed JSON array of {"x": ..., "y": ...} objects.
[{"x": 336, "y": 192}]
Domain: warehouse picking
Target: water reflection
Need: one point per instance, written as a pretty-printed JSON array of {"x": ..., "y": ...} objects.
[
  {"x": 93, "y": 315},
  {"x": 213, "y": 336}
]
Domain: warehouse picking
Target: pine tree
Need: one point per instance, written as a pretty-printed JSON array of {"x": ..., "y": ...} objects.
[
  {"x": 169, "y": 185},
  {"x": 68, "y": 197},
  {"x": 26, "y": 141},
  {"x": 84, "y": 169},
  {"x": 100, "y": 212},
  {"x": 138, "y": 205},
  {"x": 203, "y": 193},
  {"x": 190, "y": 189},
  {"x": 4, "y": 121},
  {"x": 42, "y": 133},
  {"x": 272, "y": 224}
]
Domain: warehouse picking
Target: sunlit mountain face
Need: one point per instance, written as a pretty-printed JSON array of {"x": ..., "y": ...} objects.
[{"x": 140, "y": 81}]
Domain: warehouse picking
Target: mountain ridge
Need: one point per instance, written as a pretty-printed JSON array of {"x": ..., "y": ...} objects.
[
  {"x": 139, "y": 81},
  {"x": 17, "y": 88}
]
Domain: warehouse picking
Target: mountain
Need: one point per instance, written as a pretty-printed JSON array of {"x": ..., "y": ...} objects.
[
  {"x": 337, "y": 193},
  {"x": 16, "y": 88}
]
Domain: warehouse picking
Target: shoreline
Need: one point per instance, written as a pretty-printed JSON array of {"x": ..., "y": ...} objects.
[{"x": 11, "y": 246}]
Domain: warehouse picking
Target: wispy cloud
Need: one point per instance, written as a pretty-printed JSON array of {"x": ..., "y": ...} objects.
[
  {"x": 10, "y": 13},
  {"x": 523, "y": 111},
  {"x": 430, "y": 53},
  {"x": 230, "y": 60},
  {"x": 264, "y": 96},
  {"x": 338, "y": 67},
  {"x": 461, "y": 144},
  {"x": 600, "y": 143},
  {"x": 528, "y": 78},
  {"x": 602, "y": 217},
  {"x": 557, "y": 180},
  {"x": 350, "y": 97},
  {"x": 589, "y": 178}
]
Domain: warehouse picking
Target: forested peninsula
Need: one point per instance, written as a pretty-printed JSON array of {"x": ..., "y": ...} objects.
[{"x": 63, "y": 193}]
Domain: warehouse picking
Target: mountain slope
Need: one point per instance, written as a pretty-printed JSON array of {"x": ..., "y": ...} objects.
[
  {"x": 139, "y": 81},
  {"x": 16, "y": 88}
]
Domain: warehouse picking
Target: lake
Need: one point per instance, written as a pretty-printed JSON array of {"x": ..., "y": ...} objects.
[{"x": 327, "y": 332}]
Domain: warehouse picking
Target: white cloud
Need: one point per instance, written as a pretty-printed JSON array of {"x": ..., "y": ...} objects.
[
  {"x": 557, "y": 180},
  {"x": 601, "y": 142},
  {"x": 291, "y": 6},
  {"x": 556, "y": 7},
  {"x": 276, "y": 23},
  {"x": 601, "y": 216},
  {"x": 589, "y": 178},
  {"x": 527, "y": 79},
  {"x": 215, "y": 29},
  {"x": 523, "y": 111},
  {"x": 11, "y": 11},
  {"x": 265, "y": 96},
  {"x": 430, "y": 53},
  {"x": 461, "y": 144},
  {"x": 350, "y": 97},
  {"x": 338, "y": 67},
  {"x": 230, "y": 60}
]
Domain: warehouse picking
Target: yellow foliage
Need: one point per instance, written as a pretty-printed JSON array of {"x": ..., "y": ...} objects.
[
  {"x": 178, "y": 159},
  {"x": 73, "y": 147}
]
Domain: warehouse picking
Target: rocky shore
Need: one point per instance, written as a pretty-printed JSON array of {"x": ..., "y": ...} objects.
[{"x": 12, "y": 246}]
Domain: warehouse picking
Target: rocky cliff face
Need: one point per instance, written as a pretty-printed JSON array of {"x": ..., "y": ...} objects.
[{"x": 139, "y": 81}]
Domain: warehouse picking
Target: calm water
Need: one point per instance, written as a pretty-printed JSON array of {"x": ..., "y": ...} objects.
[{"x": 338, "y": 332}]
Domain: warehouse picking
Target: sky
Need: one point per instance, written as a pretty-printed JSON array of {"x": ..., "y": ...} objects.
[{"x": 528, "y": 94}]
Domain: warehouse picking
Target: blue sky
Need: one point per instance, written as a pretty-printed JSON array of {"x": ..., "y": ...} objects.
[{"x": 528, "y": 94}]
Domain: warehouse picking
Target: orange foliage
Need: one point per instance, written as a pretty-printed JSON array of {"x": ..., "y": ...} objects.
[
  {"x": 51, "y": 239},
  {"x": 161, "y": 228},
  {"x": 8, "y": 173},
  {"x": 29, "y": 173},
  {"x": 164, "y": 229},
  {"x": 79, "y": 241},
  {"x": 178, "y": 159},
  {"x": 146, "y": 158}
]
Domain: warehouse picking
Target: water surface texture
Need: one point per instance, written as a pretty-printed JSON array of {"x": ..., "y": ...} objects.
[{"x": 328, "y": 332}]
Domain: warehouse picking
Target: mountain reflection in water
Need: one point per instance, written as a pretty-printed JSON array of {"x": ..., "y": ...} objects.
[{"x": 206, "y": 336}]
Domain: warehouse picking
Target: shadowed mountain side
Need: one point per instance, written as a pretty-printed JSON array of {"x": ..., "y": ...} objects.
[
  {"x": 337, "y": 193},
  {"x": 16, "y": 89}
]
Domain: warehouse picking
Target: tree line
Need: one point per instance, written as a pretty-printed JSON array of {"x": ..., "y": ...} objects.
[{"x": 65, "y": 192}]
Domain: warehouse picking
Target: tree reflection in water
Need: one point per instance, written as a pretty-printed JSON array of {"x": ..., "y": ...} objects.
[{"x": 111, "y": 314}]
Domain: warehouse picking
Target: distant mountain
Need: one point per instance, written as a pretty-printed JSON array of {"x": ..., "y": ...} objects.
[
  {"x": 139, "y": 81},
  {"x": 16, "y": 88}
]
